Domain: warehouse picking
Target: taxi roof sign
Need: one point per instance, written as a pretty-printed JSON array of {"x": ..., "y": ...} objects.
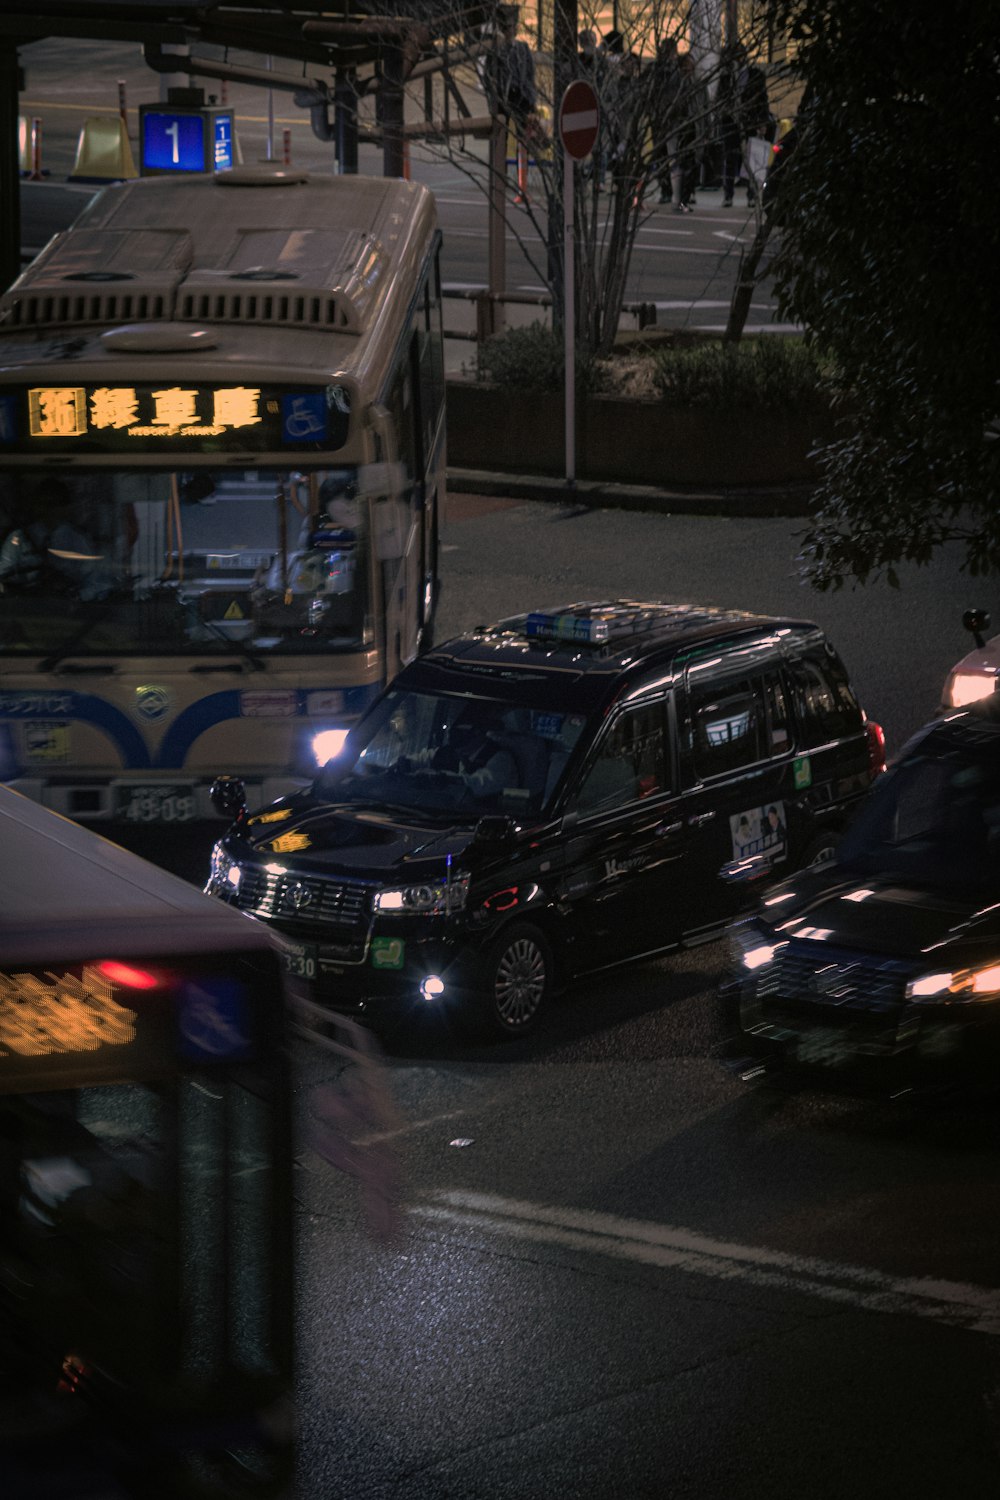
[{"x": 591, "y": 625}]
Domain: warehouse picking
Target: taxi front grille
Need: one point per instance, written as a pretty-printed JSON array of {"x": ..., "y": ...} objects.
[
  {"x": 811, "y": 975},
  {"x": 341, "y": 908}
]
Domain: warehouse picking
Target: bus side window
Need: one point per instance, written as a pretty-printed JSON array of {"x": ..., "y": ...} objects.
[
  {"x": 402, "y": 406},
  {"x": 430, "y": 361}
]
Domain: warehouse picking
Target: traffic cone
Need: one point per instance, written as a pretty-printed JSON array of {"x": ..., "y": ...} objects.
[{"x": 103, "y": 153}]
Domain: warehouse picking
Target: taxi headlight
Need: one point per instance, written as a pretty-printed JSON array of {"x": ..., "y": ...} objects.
[
  {"x": 968, "y": 687},
  {"x": 434, "y": 898},
  {"x": 224, "y": 871},
  {"x": 957, "y": 986}
]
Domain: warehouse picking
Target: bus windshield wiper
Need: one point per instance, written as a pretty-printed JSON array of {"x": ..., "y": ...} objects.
[
  {"x": 76, "y": 639},
  {"x": 220, "y": 635}
]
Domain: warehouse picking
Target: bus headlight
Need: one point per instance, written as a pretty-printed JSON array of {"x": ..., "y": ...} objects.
[
  {"x": 436, "y": 898},
  {"x": 328, "y": 744},
  {"x": 968, "y": 687}
]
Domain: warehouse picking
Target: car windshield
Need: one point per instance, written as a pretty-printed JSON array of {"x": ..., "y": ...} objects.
[
  {"x": 933, "y": 821},
  {"x": 437, "y": 753}
]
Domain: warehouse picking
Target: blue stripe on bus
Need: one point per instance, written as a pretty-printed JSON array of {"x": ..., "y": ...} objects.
[
  {"x": 27, "y": 706},
  {"x": 216, "y": 708},
  {"x": 188, "y": 726},
  {"x": 213, "y": 709}
]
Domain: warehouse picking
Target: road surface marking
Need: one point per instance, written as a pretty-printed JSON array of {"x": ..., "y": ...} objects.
[{"x": 954, "y": 1303}]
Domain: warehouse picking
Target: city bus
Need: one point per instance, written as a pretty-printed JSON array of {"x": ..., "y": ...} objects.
[
  {"x": 146, "y": 1180},
  {"x": 222, "y": 466}
]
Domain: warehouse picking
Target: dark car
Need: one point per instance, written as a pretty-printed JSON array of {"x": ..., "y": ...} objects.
[
  {"x": 549, "y": 796},
  {"x": 883, "y": 967}
]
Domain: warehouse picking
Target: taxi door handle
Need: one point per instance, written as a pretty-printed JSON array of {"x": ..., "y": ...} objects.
[
  {"x": 662, "y": 830},
  {"x": 697, "y": 819}
]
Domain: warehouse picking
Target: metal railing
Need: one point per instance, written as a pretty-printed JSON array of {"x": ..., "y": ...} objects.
[{"x": 487, "y": 302}]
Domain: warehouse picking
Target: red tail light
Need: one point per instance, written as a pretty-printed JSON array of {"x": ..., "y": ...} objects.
[{"x": 876, "y": 747}]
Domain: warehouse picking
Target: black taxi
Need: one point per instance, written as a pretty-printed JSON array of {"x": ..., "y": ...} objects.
[{"x": 549, "y": 796}]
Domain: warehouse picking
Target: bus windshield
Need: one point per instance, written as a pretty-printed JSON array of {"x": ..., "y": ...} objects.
[{"x": 137, "y": 563}]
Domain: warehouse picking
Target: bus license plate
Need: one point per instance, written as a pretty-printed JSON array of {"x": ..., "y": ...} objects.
[{"x": 156, "y": 804}]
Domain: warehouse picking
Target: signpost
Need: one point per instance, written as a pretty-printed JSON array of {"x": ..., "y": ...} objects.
[
  {"x": 184, "y": 135},
  {"x": 579, "y": 117}
]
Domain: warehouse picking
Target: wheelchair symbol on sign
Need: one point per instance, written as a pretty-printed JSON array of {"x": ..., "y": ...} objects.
[{"x": 302, "y": 420}]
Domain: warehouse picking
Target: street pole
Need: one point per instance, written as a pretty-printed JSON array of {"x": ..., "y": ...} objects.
[
  {"x": 569, "y": 319},
  {"x": 492, "y": 317},
  {"x": 10, "y": 167}
]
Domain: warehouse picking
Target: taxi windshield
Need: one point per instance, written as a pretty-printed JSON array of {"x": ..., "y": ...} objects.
[
  {"x": 467, "y": 756},
  {"x": 933, "y": 821}
]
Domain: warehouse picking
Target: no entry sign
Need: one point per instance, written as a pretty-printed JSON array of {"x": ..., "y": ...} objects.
[{"x": 578, "y": 117}]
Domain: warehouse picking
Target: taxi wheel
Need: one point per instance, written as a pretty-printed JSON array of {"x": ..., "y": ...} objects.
[
  {"x": 820, "y": 851},
  {"x": 517, "y": 981}
]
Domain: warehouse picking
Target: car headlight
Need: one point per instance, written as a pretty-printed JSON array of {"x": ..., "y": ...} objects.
[
  {"x": 959, "y": 986},
  {"x": 431, "y": 899},
  {"x": 968, "y": 687},
  {"x": 753, "y": 948}
]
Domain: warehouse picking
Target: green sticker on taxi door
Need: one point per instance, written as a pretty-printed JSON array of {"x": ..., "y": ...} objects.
[{"x": 803, "y": 772}]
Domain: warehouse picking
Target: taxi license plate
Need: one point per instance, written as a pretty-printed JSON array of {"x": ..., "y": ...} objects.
[
  {"x": 156, "y": 804},
  {"x": 300, "y": 960}
]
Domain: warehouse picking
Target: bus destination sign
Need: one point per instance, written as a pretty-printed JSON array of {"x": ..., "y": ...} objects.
[{"x": 154, "y": 418}]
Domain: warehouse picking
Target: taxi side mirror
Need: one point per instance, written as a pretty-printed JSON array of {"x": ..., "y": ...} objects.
[
  {"x": 229, "y": 797},
  {"x": 977, "y": 622}
]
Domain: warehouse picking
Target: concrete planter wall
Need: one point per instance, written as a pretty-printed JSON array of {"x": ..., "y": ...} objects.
[{"x": 630, "y": 442}]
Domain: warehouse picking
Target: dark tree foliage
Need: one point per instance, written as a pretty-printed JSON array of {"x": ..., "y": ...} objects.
[{"x": 889, "y": 256}]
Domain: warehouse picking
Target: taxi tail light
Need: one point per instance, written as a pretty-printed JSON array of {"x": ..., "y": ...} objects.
[{"x": 875, "y": 735}]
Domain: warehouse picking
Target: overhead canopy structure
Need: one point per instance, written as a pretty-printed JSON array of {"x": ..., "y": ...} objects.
[{"x": 335, "y": 53}]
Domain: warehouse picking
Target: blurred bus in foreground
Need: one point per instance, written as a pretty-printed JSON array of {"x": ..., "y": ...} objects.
[{"x": 146, "y": 1320}]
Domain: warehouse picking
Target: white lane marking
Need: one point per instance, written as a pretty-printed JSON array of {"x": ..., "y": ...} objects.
[{"x": 955, "y": 1303}]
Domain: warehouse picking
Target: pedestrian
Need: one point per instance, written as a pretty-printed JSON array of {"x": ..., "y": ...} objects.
[
  {"x": 691, "y": 111},
  {"x": 665, "y": 88},
  {"x": 743, "y": 112},
  {"x": 727, "y": 107},
  {"x": 509, "y": 75}
]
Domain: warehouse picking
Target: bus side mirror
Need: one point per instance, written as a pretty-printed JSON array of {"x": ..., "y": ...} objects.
[{"x": 229, "y": 797}]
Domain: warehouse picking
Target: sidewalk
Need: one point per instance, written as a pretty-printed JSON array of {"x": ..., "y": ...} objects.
[{"x": 597, "y": 494}]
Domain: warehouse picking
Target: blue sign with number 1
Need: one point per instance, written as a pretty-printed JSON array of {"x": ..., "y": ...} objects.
[{"x": 173, "y": 142}]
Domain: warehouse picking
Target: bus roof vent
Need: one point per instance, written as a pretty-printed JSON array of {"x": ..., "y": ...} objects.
[
  {"x": 99, "y": 276},
  {"x": 261, "y": 174},
  {"x": 324, "y": 278}
]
